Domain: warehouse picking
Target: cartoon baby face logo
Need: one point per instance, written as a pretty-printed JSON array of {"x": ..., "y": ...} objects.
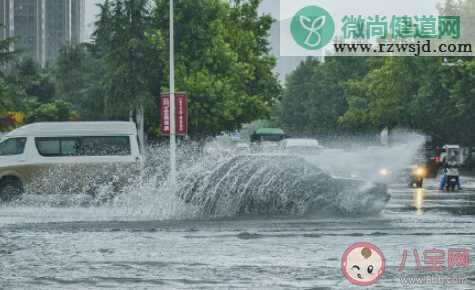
[{"x": 363, "y": 264}]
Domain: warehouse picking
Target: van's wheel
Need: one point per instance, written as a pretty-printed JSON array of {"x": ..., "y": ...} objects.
[{"x": 10, "y": 188}]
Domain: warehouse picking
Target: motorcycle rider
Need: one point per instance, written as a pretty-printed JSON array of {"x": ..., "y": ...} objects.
[
  {"x": 443, "y": 176},
  {"x": 451, "y": 166}
]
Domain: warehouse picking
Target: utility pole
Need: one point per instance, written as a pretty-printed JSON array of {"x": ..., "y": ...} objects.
[{"x": 172, "y": 100}]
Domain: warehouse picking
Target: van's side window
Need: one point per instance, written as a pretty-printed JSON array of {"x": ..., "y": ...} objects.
[
  {"x": 105, "y": 146},
  {"x": 83, "y": 146},
  {"x": 57, "y": 146},
  {"x": 13, "y": 146}
]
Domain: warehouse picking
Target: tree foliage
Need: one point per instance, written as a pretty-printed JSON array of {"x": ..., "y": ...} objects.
[
  {"x": 419, "y": 93},
  {"x": 7, "y": 90},
  {"x": 343, "y": 95},
  {"x": 315, "y": 98},
  {"x": 429, "y": 94},
  {"x": 222, "y": 62},
  {"x": 54, "y": 111}
]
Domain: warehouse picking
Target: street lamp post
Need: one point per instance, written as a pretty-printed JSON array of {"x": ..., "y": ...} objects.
[{"x": 172, "y": 100}]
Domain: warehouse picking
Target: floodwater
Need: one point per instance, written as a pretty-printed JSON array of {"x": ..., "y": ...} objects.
[{"x": 57, "y": 247}]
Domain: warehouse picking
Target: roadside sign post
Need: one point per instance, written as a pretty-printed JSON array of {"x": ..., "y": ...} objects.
[
  {"x": 181, "y": 114},
  {"x": 179, "y": 121}
]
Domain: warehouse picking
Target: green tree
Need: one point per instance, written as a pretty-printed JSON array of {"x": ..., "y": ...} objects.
[
  {"x": 222, "y": 61},
  {"x": 381, "y": 99},
  {"x": 6, "y": 90},
  {"x": 7, "y": 100},
  {"x": 417, "y": 93},
  {"x": 102, "y": 36},
  {"x": 55, "y": 111},
  {"x": 71, "y": 71},
  {"x": 119, "y": 71},
  {"x": 128, "y": 58},
  {"x": 79, "y": 78},
  {"x": 35, "y": 81},
  {"x": 25, "y": 83},
  {"x": 315, "y": 98},
  {"x": 6, "y": 53},
  {"x": 461, "y": 103}
]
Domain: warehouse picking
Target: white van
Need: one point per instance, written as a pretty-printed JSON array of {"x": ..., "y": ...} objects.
[{"x": 67, "y": 156}]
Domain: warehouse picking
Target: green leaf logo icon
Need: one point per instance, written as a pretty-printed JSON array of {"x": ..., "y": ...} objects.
[{"x": 312, "y": 27}]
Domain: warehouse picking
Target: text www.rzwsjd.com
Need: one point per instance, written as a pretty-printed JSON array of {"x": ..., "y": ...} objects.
[{"x": 414, "y": 48}]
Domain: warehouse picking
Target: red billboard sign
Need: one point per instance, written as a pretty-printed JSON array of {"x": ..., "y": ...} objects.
[{"x": 181, "y": 114}]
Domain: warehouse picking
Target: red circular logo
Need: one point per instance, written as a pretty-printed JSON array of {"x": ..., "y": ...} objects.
[{"x": 363, "y": 264}]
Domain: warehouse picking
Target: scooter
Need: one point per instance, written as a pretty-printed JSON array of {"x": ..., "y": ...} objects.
[
  {"x": 453, "y": 176},
  {"x": 418, "y": 175}
]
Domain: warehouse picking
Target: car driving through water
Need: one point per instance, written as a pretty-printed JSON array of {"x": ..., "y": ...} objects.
[
  {"x": 277, "y": 184},
  {"x": 78, "y": 155}
]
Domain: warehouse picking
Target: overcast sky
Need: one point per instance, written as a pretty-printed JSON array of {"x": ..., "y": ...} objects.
[
  {"x": 389, "y": 6},
  {"x": 91, "y": 13}
]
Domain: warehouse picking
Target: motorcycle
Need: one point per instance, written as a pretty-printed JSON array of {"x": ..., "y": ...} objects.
[
  {"x": 453, "y": 176},
  {"x": 418, "y": 175}
]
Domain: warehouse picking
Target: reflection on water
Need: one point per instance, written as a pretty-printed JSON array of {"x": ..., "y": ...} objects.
[{"x": 419, "y": 197}]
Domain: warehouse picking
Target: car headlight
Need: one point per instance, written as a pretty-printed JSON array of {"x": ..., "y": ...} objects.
[
  {"x": 384, "y": 172},
  {"x": 420, "y": 172}
]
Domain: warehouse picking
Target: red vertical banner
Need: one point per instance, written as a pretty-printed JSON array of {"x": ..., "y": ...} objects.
[
  {"x": 181, "y": 114},
  {"x": 165, "y": 114}
]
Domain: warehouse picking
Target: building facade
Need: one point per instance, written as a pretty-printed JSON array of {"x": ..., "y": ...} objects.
[{"x": 42, "y": 27}]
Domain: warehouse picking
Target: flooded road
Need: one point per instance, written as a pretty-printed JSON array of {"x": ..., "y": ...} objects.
[{"x": 90, "y": 248}]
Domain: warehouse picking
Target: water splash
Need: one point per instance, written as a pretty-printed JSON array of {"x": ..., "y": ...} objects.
[
  {"x": 218, "y": 183},
  {"x": 276, "y": 184},
  {"x": 363, "y": 161}
]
